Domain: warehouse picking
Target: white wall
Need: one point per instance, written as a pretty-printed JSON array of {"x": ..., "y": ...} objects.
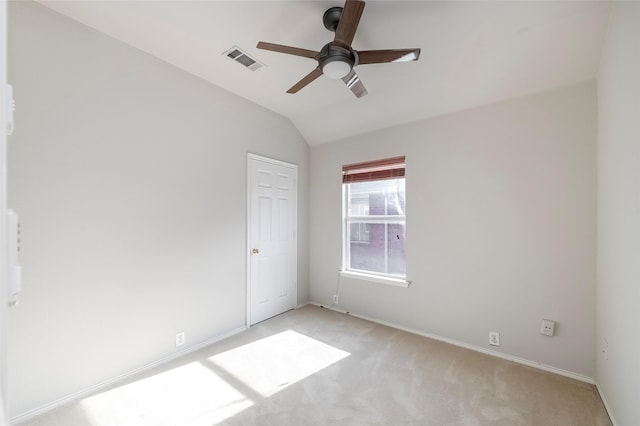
[
  {"x": 4, "y": 255},
  {"x": 619, "y": 215},
  {"x": 501, "y": 224},
  {"x": 130, "y": 179}
]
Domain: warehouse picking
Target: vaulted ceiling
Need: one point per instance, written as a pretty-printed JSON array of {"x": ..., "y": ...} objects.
[{"x": 473, "y": 52}]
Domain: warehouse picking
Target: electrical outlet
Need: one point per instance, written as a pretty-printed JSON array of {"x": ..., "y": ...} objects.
[
  {"x": 180, "y": 339},
  {"x": 494, "y": 338},
  {"x": 548, "y": 327},
  {"x": 335, "y": 299}
]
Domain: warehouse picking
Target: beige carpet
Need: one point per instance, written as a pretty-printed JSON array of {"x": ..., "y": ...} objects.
[{"x": 313, "y": 366}]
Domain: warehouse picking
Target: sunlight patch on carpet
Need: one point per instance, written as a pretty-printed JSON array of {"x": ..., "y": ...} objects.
[
  {"x": 276, "y": 362},
  {"x": 189, "y": 395},
  {"x": 210, "y": 391}
]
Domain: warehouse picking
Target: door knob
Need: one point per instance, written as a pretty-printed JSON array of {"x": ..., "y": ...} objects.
[{"x": 255, "y": 251}]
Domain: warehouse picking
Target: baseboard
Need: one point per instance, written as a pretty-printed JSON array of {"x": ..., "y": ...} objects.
[
  {"x": 454, "y": 342},
  {"x": 606, "y": 404},
  {"x": 105, "y": 384}
]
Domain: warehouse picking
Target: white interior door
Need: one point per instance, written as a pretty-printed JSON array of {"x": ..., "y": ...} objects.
[{"x": 271, "y": 238}]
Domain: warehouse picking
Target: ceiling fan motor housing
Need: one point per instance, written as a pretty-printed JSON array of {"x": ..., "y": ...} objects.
[{"x": 331, "y": 18}]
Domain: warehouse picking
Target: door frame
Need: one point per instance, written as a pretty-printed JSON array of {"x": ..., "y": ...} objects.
[{"x": 255, "y": 157}]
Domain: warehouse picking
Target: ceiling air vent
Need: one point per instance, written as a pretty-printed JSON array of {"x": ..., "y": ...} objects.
[{"x": 241, "y": 57}]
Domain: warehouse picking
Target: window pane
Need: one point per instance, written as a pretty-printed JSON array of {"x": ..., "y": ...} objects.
[
  {"x": 395, "y": 249},
  {"x": 377, "y": 198},
  {"x": 358, "y": 203},
  {"x": 369, "y": 256},
  {"x": 360, "y": 232},
  {"x": 375, "y": 218}
]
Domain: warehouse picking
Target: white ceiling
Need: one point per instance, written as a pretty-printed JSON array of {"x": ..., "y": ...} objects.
[{"x": 473, "y": 52}]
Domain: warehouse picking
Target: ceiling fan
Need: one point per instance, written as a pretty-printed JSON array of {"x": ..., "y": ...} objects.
[{"x": 337, "y": 58}]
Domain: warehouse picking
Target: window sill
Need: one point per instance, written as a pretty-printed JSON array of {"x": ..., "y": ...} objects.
[{"x": 397, "y": 282}]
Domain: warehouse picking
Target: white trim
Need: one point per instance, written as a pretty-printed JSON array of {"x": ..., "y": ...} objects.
[
  {"x": 454, "y": 342},
  {"x": 107, "y": 383},
  {"x": 607, "y": 407},
  {"x": 346, "y": 255},
  {"x": 251, "y": 157},
  {"x": 271, "y": 160},
  {"x": 248, "y": 244},
  {"x": 397, "y": 282},
  {"x": 4, "y": 259},
  {"x": 385, "y": 219}
]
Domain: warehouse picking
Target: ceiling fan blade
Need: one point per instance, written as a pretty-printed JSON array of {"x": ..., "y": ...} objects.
[
  {"x": 349, "y": 20},
  {"x": 287, "y": 49},
  {"x": 306, "y": 80},
  {"x": 353, "y": 82},
  {"x": 389, "y": 55}
]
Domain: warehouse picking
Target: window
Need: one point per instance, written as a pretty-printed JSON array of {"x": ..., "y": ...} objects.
[{"x": 374, "y": 218}]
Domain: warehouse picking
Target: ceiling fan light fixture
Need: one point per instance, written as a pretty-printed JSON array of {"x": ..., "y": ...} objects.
[{"x": 336, "y": 68}]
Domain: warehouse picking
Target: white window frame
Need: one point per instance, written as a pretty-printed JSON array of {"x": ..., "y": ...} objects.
[{"x": 347, "y": 221}]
